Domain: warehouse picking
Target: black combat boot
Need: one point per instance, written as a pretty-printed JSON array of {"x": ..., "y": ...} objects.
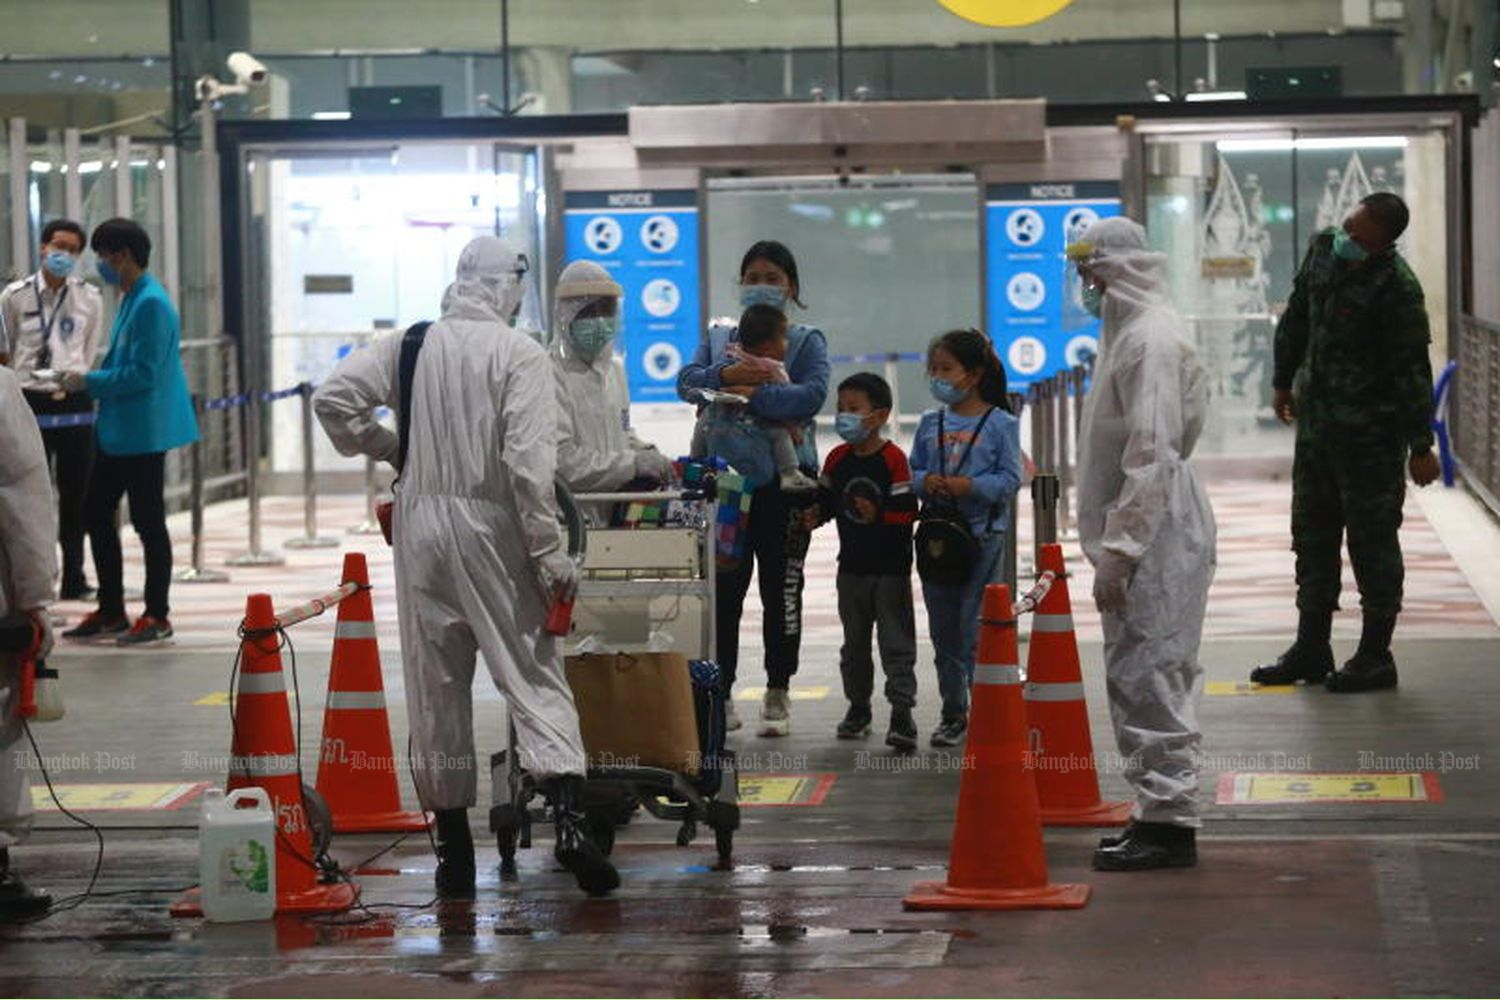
[
  {"x": 1146, "y": 846},
  {"x": 18, "y": 901},
  {"x": 1310, "y": 658},
  {"x": 1372, "y": 667},
  {"x": 575, "y": 851},
  {"x": 455, "y": 851}
]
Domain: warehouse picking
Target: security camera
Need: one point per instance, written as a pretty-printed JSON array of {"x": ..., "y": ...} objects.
[{"x": 246, "y": 68}]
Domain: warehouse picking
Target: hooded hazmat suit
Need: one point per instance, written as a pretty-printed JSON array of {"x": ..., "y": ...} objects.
[
  {"x": 28, "y": 564},
  {"x": 596, "y": 449},
  {"x": 1144, "y": 519},
  {"x": 478, "y": 545}
]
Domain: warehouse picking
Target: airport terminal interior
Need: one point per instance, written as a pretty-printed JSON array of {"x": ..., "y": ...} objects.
[{"x": 312, "y": 176}]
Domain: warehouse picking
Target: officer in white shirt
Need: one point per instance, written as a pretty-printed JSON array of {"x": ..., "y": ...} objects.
[{"x": 51, "y": 320}]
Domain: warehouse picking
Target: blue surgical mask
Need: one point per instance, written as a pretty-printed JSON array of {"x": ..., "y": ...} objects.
[
  {"x": 762, "y": 295},
  {"x": 1344, "y": 248},
  {"x": 1093, "y": 299},
  {"x": 851, "y": 427},
  {"x": 592, "y": 336},
  {"x": 945, "y": 391},
  {"x": 59, "y": 263},
  {"x": 107, "y": 272}
]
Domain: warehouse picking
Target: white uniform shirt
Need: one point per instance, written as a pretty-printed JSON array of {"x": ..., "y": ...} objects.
[{"x": 74, "y": 312}]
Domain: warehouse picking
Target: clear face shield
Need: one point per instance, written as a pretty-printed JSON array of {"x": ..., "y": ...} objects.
[{"x": 530, "y": 317}]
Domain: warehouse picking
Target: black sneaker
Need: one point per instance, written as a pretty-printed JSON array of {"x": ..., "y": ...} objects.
[
  {"x": 575, "y": 850},
  {"x": 1299, "y": 663},
  {"x": 902, "y": 734},
  {"x": 78, "y": 592},
  {"x": 97, "y": 625},
  {"x": 856, "y": 724},
  {"x": 146, "y": 629},
  {"x": 18, "y": 901},
  {"x": 1147, "y": 846},
  {"x": 1363, "y": 672},
  {"x": 950, "y": 732}
]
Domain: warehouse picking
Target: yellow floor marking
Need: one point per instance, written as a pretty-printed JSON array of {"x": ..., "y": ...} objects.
[
  {"x": 784, "y": 789},
  {"x": 1292, "y": 787},
  {"x": 116, "y": 796},
  {"x": 811, "y": 692}
]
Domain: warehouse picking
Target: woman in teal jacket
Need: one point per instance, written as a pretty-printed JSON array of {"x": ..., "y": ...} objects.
[{"x": 144, "y": 412}]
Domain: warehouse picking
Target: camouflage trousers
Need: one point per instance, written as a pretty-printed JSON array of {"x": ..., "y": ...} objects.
[{"x": 1348, "y": 482}]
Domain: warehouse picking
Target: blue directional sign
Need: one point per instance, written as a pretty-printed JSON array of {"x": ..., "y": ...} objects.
[
  {"x": 1034, "y": 313},
  {"x": 648, "y": 241}
]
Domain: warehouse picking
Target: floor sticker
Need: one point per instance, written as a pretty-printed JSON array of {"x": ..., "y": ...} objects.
[
  {"x": 1281, "y": 788},
  {"x": 784, "y": 789},
  {"x": 1246, "y": 687},
  {"x": 811, "y": 692},
  {"x": 116, "y": 796}
]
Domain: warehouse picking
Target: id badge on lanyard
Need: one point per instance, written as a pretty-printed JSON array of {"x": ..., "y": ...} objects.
[{"x": 45, "y": 323}]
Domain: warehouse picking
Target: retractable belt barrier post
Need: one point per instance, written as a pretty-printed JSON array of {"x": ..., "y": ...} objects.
[
  {"x": 371, "y": 524},
  {"x": 1064, "y": 468},
  {"x": 255, "y": 556},
  {"x": 310, "y": 538},
  {"x": 1044, "y": 489},
  {"x": 197, "y": 572}
]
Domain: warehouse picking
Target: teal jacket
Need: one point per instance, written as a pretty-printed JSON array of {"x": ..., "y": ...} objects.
[{"x": 144, "y": 406}]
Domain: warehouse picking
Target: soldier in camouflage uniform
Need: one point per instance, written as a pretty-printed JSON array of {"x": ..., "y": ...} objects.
[{"x": 1352, "y": 370}]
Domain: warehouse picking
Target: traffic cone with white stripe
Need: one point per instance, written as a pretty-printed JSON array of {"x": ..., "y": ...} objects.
[
  {"x": 997, "y": 860},
  {"x": 1061, "y": 747},
  {"x": 357, "y": 769},
  {"x": 264, "y": 753}
]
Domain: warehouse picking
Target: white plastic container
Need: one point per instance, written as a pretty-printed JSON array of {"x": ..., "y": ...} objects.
[{"x": 237, "y": 855}]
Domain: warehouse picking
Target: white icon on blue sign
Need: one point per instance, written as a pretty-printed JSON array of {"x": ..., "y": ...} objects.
[
  {"x": 1081, "y": 350},
  {"x": 1077, "y": 222},
  {"x": 603, "y": 235},
  {"x": 661, "y": 297},
  {"x": 1026, "y": 291},
  {"x": 659, "y": 234},
  {"x": 662, "y": 361},
  {"x": 1026, "y": 356},
  {"x": 1025, "y": 227}
]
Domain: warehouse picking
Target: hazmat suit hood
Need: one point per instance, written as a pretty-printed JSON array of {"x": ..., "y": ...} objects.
[
  {"x": 1115, "y": 251},
  {"x": 580, "y": 285},
  {"x": 488, "y": 283}
]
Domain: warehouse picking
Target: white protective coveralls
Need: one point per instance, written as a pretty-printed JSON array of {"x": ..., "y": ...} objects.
[
  {"x": 479, "y": 549},
  {"x": 28, "y": 566},
  {"x": 1144, "y": 519},
  {"x": 596, "y": 449}
]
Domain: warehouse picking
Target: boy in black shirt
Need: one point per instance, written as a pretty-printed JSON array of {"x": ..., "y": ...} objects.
[{"x": 866, "y": 485}]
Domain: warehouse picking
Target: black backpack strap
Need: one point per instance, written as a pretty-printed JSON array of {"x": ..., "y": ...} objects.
[{"x": 411, "y": 346}]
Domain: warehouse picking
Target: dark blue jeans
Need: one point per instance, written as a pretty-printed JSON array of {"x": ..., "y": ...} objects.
[{"x": 953, "y": 619}]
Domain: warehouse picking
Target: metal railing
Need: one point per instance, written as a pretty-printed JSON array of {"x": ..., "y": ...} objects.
[{"x": 1476, "y": 417}]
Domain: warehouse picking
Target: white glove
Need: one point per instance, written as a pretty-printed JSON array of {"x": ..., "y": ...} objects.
[
  {"x": 72, "y": 381},
  {"x": 1112, "y": 582},
  {"x": 652, "y": 464},
  {"x": 43, "y": 621},
  {"x": 559, "y": 574}
]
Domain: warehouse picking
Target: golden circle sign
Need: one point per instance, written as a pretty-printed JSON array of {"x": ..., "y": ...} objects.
[{"x": 1005, "y": 13}]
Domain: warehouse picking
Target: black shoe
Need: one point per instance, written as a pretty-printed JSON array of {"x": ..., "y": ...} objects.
[
  {"x": 950, "y": 732},
  {"x": 77, "y": 592},
  {"x": 1363, "y": 672},
  {"x": 96, "y": 625},
  {"x": 1146, "y": 846},
  {"x": 455, "y": 852},
  {"x": 146, "y": 630},
  {"x": 575, "y": 851},
  {"x": 856, "y": 724},
  {"x": 1116, "y": 839},
  {"x": 902, "y": 733},
  {"x": 18, "y": 901},
  {"x": 1299, "y": 663}
]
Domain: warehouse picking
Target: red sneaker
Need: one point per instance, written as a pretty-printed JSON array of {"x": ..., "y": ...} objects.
[{"x": 147, "y": 629}]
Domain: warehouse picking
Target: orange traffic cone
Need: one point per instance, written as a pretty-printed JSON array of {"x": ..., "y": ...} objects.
[
  {"x": 997, "y": 861},
  {"x": 356, "y": 769},
  {"x": 263, "y": 753},
  {"x": 1061, "y": 746}
]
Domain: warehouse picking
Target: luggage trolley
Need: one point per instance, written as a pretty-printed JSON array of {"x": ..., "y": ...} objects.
[{"x": 628, "y": 573}]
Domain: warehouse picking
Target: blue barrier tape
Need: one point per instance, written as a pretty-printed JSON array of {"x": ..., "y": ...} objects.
[
  {"x": 874, "y": 359},
  {"x": 271, "y": 397},
  {"x": 227, "y": 402},
  {"x": 60, "y": 420}
]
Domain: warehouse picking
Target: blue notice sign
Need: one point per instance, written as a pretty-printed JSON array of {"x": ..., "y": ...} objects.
[
  {"x": 648, "y": 241},
  {"x": 1034, "y": 312}
]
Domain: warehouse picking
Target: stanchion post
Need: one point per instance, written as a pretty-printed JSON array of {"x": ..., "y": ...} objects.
[
  {"x": 255, "y": 556},
  {"x": 1044, "y": 508},
  {"x": 197, "y": 572},
  {"x": 371, "y": 524},
  {"x": 1080, "y": 386},
  {"x": 1064, "y": 461},
  {"x": 1010, "y": 558},
  {"x": 310, "y": 538},
  {"x": 893, "y": 379}
]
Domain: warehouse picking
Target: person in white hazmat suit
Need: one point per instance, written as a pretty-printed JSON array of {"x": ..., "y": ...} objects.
[
  {"x": 28, "y": 566},
  {"x": 479, "y": 550},
  {"x": 1146, "y": 525},
  {"x": 597, "y": 452}
]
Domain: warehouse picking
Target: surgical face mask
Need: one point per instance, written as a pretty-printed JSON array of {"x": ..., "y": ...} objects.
[
  {"x": 945, "y": 391},
  {"x": 1093, "y": 298},
  {"x": 59, "y": 263},
  {"x": 762, "y": 295},
  {"x": 1344, "y": 248},
  {"x": 851, "y": 427},
  {"x": 592, "y": 336},
  {"x": 108, "y": 273}
]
